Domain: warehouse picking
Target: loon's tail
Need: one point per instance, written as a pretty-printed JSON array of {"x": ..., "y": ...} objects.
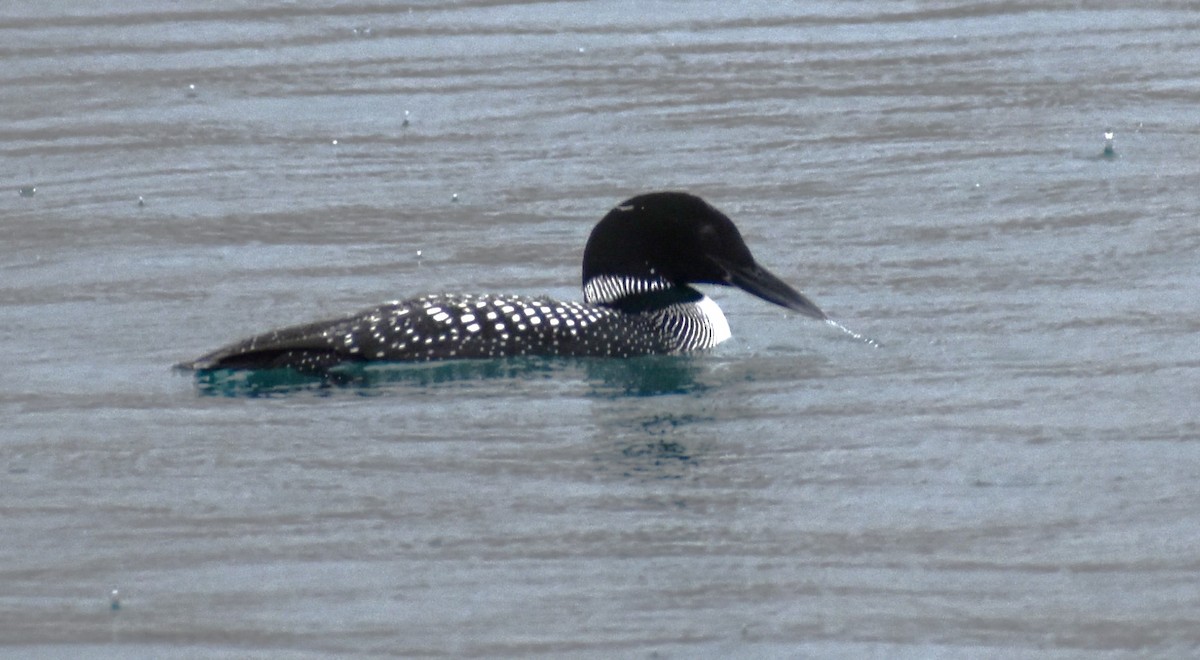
[{"x": 303, "y": 347}]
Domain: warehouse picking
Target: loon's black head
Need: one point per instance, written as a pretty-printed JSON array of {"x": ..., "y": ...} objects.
[{"x": 679, "y": 238}]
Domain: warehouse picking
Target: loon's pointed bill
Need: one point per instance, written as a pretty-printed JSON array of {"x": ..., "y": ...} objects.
[
  {"x": 761, "y": 282},
  {"x": 638, "y": 267}
]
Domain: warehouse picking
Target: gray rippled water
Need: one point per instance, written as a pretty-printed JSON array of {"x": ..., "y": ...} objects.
[{"x": 1012, "y": 474}]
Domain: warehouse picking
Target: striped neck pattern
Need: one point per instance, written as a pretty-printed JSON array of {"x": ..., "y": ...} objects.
[{"x": 684, "y": 318}]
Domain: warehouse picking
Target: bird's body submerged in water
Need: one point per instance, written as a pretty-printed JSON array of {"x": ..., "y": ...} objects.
[{"x": 637, "y": 268}]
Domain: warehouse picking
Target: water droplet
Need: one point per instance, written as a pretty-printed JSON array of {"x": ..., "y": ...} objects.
[{"x": 864, "y": 339}]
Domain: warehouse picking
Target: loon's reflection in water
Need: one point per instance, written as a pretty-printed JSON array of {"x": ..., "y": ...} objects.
[
  {"x": 652, "y": 375},
  {"x": 653, "y": 443}
]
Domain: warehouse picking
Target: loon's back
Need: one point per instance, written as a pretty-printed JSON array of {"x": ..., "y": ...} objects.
[
  {"x": 462, "y": 326},
  {"x": 637, "y": 267}
]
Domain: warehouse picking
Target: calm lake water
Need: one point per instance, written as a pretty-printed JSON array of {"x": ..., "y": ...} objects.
[{"x": 1013, "y": 474}]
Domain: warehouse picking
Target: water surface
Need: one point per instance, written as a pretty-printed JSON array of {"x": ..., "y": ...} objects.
[{"x": 1011, "y": 475}]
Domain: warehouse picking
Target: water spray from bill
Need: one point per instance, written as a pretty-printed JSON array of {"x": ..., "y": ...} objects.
[{"x": 863, "y": 338}]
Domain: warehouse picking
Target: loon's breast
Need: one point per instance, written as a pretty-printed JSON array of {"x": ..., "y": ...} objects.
[{"x": 448, "y": 326}]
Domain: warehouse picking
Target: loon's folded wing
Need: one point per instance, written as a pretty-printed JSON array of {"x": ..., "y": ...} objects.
[{"x": 306, "y": 347}]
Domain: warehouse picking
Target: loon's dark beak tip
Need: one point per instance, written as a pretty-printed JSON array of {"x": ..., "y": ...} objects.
[
  {"x": 798, "y": 302},
  {"x": 760, "y": 282},
  {"x": 809, "y": 309}
]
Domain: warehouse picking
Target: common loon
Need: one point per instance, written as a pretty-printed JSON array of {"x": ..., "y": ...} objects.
[{"x": 637, "y": 267}]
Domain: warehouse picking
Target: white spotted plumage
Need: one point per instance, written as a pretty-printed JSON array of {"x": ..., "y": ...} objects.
[{"x": 449, "y": 327}]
